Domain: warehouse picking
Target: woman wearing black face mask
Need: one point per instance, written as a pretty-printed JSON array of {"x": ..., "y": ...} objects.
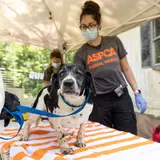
[
  {"x": 105, "y": 57},
  {"x": 56, "y": 63}
]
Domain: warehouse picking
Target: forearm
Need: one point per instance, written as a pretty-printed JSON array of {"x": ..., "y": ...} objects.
[
  {"x": 130, "y": 78},
  {"x": 128, "y": 73}
]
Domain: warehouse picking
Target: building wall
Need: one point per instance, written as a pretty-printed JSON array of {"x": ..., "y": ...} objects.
[{"x": 148, "y": 79}]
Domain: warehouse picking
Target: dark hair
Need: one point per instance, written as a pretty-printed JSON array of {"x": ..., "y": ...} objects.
[
  {"x": 56, "y": 53},
  {"x": 93, "y": 9}
]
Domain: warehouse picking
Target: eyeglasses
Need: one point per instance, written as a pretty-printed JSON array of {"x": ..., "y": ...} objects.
[{"x": 90, "y": 27}]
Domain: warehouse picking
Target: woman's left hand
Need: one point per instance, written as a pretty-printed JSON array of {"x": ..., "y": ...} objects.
[{"x": 140, "y": 103}]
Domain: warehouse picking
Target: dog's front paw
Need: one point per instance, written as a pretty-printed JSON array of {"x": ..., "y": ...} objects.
[
  {"x": 24, "y": 138},
  {"x": 68, "y": 134},
  {"x": 67, "y": 151},
  {"x": 80, "y": 144}
]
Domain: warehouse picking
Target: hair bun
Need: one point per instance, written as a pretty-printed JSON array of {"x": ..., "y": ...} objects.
[
  {"x": 93, "y": 9},
  {"x": 90, "y": 5}
]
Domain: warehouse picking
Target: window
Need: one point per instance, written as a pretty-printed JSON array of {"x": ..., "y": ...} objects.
[
  {"x": 156, "y": 41},
  {"x": 146, "y": 44},
  {"x": 150, "y": 44}
]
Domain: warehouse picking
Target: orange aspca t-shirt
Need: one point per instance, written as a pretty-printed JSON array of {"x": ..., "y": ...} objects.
[{"x": 103, "y": 62}]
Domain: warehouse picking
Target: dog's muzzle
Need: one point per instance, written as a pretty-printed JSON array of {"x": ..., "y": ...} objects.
[
  {"x": 69, "y": 83},
  {"x": 68, "y": 86}
]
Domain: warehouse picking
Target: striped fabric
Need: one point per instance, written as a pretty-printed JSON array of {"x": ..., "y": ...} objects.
[{"x": 102, "y": 143}]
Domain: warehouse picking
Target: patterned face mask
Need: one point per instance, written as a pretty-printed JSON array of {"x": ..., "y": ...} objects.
[
  {"x": 90, "y": 35},
  {"x": 56, "y": 65}
]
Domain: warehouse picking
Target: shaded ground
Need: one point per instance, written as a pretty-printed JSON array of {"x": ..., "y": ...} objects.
[{"x": 145, "y": 124}]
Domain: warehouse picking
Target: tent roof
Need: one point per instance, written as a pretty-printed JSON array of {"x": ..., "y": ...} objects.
[{"x": 50, "y": 23}]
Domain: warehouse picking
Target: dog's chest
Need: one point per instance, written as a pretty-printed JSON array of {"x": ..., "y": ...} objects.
[{"x": 74, "y": 120}]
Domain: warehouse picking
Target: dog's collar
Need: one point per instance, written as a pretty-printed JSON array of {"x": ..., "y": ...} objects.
[{"x": 74, "y": 106}]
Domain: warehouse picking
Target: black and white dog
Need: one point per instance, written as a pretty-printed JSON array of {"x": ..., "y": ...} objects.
[{"x": 74, "y": 84}]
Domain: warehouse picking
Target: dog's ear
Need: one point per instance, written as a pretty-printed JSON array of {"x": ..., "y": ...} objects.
[
  {"x": 55, "y": 83},
  {"x": 90, "y": 82}
]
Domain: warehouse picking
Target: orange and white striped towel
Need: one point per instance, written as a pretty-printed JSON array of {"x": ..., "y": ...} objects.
[{"x": 102, "y": 143}]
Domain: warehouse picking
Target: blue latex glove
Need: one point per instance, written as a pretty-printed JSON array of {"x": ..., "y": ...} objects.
[{"x": 140, "y": 103}]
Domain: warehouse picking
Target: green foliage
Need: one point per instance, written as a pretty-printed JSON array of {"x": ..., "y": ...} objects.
[
  {"x": 158, "y": 52},
  {"x": 18, "y": 60},
  {"x": 69, "y": 56}
]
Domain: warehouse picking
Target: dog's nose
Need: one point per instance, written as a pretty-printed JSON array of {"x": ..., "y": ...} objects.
[{"x": 68, "y": 83}]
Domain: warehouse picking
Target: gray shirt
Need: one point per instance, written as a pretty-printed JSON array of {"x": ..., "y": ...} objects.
[
  {"x": 48, "y": 73},
  {"x": 103, "y": 62}
]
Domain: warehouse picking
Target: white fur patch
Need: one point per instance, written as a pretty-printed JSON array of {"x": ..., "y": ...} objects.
[
  {"x": 77, "y": 119},
  {"x": 69, "y": 121},
  {"x": 41, "y": 105},
  {"x": 74, "y": 80}
]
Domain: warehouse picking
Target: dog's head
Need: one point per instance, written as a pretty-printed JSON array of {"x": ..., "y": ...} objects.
[{"x": 73, "y": 80}]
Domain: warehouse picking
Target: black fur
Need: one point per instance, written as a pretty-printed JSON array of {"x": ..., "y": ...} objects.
[
  {"x": 51, "y": 101},
  {"x": 90, "y": 83},
  {"x": 86, "y": 83},
  {"x": 90, "y": 100},
  {"x": 36, "y": 101}
]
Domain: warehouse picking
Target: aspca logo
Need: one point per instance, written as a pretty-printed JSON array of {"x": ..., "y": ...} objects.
[{"x": 100, "y": 55}]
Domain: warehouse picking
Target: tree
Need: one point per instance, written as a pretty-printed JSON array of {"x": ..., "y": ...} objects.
[
  {"x": 18, "y": 60},
  {"x": 69, "y": 56}
]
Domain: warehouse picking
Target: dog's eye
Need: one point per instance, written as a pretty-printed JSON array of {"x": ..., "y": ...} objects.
[
  {"x": 61, "y": 74},
  {"x": 78, "y": 73}
]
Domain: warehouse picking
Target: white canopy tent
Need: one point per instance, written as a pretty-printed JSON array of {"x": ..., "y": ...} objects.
[{"x": 51, "y": 23}]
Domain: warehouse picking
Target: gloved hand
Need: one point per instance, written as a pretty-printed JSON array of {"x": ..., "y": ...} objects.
[{"x": 140, "y": 103}]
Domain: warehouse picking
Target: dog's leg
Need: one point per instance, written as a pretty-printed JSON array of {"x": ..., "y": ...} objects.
[
  {"x": 37, "y": 121},
  {"x": 65, "y": 133},
  {"x": 32, "y": 119},
  {"x": 64, "y": 147},
  {"x": 61, "y": 135},
  {"x": 80, "y": 137},
  {"x": 51, "y": 124}
]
